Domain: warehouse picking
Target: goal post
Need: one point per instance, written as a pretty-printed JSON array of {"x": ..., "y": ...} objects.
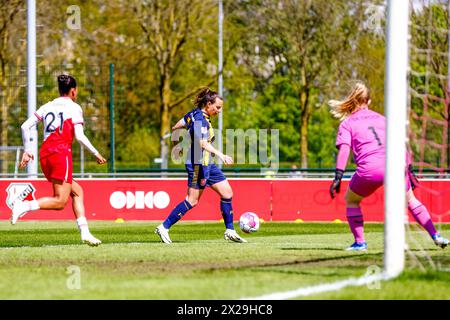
[
  {"x": 32, "y": 168},
  {"x": 396, "y": 93}
]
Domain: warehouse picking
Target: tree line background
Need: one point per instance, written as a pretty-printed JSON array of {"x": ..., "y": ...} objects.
[{"x": 283, "y": 60}]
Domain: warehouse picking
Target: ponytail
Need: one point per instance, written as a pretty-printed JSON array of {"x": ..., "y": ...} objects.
[
  {"x": 204, "y": 96},
  {"x": 358, "y": 96}
]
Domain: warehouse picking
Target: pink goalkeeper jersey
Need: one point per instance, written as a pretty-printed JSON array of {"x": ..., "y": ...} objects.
[{"x": 365, "y": 131}]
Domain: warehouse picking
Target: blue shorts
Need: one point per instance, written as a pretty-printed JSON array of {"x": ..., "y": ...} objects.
[{"x": 200, "y": 176}]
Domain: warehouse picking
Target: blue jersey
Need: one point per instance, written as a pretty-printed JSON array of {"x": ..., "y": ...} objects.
[{"x": 198, "y": 124}]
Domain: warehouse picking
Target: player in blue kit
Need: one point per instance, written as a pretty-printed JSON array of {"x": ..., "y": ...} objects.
[{"x": 202, "y": 172}]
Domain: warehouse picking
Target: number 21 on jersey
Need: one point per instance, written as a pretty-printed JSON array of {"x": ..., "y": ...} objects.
[{"x": 50, "y": 119}]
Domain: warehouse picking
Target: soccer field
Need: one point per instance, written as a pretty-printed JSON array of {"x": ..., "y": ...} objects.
[{"x": 37, "y": 260}]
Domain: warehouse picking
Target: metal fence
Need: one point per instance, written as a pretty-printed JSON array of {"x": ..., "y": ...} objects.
[{"x": 93, "y": 84}]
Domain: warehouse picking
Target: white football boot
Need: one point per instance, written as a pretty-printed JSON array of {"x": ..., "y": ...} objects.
[
  {"x": 20, "y": 208},
  {"x": 90, "y": 240},
  {"x": 233, "y": 236},
  {"x": 163, "y": 233},
  {"x": 440, "y": 241}
]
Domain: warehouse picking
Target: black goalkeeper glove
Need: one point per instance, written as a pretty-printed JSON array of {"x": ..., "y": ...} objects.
[
  {"x": 412, "y": 177},
  {"x": 336, "y": 185}
]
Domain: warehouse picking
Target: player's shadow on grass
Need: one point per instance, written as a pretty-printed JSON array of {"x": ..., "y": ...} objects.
[
  {"x": 425, "y": 250},
  {"x": 317, "y": 266},
  {"x": 362, "y": 257},
  {"x": 305, "y": 273},
  {"x": 313, "y": 249}
]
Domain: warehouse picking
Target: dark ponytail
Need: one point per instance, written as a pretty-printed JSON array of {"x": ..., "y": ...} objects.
[
  {"x": 204, "y": 96},
  {"x": 65, "y": 83}
]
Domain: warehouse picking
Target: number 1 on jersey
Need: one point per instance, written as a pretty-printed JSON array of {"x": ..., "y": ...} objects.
[
  {"x": 61, "y": 118},
  {"x": 376, "y": 135}
]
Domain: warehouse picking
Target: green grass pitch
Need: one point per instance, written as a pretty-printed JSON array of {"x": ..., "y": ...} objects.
[{"x": 37, "y": 260}]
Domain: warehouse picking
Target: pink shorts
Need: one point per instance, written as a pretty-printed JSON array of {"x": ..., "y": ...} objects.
[{"x": 365, "y": 185}]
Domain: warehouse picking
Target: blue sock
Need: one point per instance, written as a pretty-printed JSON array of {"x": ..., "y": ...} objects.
[
  {"x": 177, "y": 213},
  {"x": 227, "y": 213}
]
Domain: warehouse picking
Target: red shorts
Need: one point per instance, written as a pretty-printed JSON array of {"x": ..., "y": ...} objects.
[{"x": 57, "y": 166}]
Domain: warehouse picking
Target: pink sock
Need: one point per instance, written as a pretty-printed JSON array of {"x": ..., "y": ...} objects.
[
  {"x": 420, "y": 213},
  {"x": 356, "y": 223}
]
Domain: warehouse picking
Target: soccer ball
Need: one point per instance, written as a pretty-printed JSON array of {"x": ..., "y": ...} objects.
[{"x": 249, "y": 222}]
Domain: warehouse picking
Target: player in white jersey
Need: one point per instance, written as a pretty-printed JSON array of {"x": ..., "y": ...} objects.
[{"x": 63, "y": 120}]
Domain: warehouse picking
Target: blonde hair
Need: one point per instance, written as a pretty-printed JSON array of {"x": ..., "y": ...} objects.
[{"x": 359, "y": 95}]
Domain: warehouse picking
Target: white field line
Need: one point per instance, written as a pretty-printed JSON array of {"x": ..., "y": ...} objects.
[
  {"x": 74, "y": 245},
  {"x": 326, "y": 287}
]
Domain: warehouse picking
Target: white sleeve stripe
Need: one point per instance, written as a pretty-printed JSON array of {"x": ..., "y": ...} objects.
[{"x": 67, "y": 169}]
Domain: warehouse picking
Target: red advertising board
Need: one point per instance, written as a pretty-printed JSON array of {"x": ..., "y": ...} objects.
[
  {"x": 130, "y": 199},
  {"x": 272, "y": 200},
  {"x": 310, "y": 200}
]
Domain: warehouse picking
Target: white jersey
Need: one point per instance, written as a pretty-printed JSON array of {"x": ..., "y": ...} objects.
[
  {"x": 59, "y": 117},
  {"x": 63, "y": 120}
]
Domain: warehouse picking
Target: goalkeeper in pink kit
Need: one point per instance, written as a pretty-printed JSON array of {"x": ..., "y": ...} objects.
[{"x": 363, "y": 132}]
